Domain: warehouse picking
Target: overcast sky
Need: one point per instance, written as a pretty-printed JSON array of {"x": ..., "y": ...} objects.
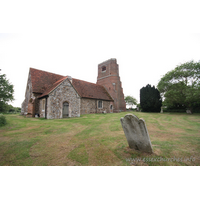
[{"x": 148, "y": 39}]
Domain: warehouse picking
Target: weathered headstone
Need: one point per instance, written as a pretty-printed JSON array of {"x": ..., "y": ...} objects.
[{"x": 136, "y": 133}]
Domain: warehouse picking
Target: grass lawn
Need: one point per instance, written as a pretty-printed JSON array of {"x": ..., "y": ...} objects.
[{"x": 98, "y": 139}]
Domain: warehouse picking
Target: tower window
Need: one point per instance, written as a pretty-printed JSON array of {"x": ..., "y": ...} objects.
[{"x": 103, "y": 68}]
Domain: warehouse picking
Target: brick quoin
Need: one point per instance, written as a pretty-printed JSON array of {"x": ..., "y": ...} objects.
[{"x": 108, "y": 76}]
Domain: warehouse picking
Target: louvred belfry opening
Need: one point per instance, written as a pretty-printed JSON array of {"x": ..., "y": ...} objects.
[{"x": 103, "y": 68}]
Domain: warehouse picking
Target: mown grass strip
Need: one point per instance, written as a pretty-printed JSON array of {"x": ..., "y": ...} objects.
[{"x": 97, "y": 139}]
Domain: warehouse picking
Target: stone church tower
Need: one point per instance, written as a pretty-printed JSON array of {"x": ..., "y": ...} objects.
[{"x": 108, "y": 76}]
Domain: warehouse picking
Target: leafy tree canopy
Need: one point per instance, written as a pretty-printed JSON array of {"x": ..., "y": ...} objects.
[
  {"x": 150, "y": 99},
  {"x": 182, "y": 85},
  {"x": 130, "y": 101},
  {"x": 6, "y": 92}
]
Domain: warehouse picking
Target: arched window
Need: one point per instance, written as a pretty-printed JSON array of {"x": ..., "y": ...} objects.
[{"x": 111, "y": 107}]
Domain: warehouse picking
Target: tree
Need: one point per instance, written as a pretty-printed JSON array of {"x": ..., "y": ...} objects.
[
  {"x": 6, "y": 92},
  {"x": 150, "y": 99},
  {"x": 130, "y": 101},
  {"x": 181, "y": 86}
]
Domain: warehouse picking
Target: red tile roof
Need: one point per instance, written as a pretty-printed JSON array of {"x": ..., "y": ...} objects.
[
  {"x": 44, "y": 82},
  {"x": 52, "y": 87},
  {"x": 91, "y": 90}
]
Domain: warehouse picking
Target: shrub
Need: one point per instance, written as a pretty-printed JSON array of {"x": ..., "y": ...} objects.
[
  {"x": 150, "y": 99},
  {"x": 2, "y": 120}
]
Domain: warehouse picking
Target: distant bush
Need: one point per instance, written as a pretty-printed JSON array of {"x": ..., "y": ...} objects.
[
  {"x": 196, "y": 110},
  {"x": 174, "y": 110},
  {"x": 180, "y": 110},
  {"x": 2, "y": 120},
  {"x": 150, "y": 99},
  {"x": 130, "y": 108}
]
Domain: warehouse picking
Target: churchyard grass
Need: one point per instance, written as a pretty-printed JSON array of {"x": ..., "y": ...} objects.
[{"x": 98, "y": 140}]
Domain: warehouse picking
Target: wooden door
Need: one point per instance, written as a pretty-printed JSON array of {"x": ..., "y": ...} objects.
[{"x": 65, "y": 109}]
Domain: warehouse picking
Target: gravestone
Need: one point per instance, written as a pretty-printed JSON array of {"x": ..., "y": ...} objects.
[{"x": 136, "y": 133}]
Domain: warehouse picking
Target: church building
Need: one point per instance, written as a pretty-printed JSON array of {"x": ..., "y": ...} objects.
[{"x": 53, "y": 96}]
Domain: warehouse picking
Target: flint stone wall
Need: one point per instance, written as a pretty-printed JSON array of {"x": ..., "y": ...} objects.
[
  {"x": 136, "y": 133},
  {"x": 26, "y": 108},
  {"x": 65, "y": 92},
  {"x": 91, "y": 106},
  {"x": 28, "y": 94}
]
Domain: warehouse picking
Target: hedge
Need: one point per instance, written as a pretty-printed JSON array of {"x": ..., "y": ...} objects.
[{"x": 2, "y": 120}]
